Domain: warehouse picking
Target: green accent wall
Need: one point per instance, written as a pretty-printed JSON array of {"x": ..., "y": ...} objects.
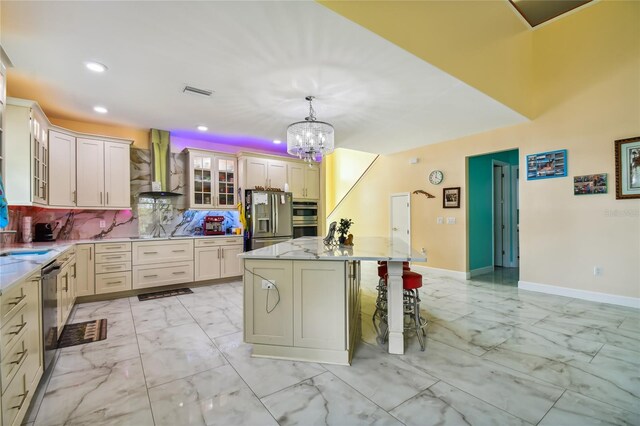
[{"x": 480, "y": 190}]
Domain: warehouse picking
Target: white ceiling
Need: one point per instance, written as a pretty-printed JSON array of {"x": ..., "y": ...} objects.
[{"x": 261, "y": 59}]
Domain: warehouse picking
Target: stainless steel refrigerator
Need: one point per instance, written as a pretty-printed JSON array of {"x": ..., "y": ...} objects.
[{"x": 269, "y": 217}]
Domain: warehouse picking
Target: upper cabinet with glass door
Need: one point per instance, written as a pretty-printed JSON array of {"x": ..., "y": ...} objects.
[{"x": 212, "y": 179}]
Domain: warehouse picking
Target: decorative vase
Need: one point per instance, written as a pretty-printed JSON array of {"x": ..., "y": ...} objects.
[{"x": 342, "y": 239}]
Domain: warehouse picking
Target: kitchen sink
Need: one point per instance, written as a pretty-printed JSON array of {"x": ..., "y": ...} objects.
[{"x": 25, "y": 252}]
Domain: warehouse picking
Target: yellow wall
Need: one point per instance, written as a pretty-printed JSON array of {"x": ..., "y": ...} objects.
[
  {"x": 343, "y": 168},
  {"x": 483, "y": 43},
  {"x": 588, "y": 94}
]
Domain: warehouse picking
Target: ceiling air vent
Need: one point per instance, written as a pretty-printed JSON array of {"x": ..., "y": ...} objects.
[{"x": 196, "y": 91}]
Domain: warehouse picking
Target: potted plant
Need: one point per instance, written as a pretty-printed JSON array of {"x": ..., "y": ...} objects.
[{"x": 343, "y": 229}]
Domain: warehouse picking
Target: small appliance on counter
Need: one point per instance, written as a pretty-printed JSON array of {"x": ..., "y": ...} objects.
[
  {"x": 213, "y": 225},
  {"x": 44, "y": 232}
]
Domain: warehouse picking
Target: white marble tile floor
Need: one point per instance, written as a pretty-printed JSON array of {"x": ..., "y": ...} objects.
[{"x": 495, "y": 355}]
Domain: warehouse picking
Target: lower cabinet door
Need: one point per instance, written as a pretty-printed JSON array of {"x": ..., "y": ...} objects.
[
  {"x": 163, "y": 274},
  {"x": 268, "y": 313},
  {"x": 85, "y": 270},
  {"x": 207, "y": 263},
  {"x": 114, "y": 281},
  {"x": 319, "y": 305},
  {"x": 15, "y": 399},
  {"x": 231, "y": 264}
]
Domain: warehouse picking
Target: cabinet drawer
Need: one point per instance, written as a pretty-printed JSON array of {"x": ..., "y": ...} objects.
[
  {"x": 103, "y": 268},
  {"x": 208, "y": 242},
  {"x": 14, "y": 329},
  {"x": 112, "y": 247},
  {"x": 114, "y": 281},
  {"x": 13, "y": 360},
  {"x": 14, "y": 299},
  {"x": 165, "y": 274},
  {"x": 113, "y": 257},
  {"x": 146, "y": 253},
  {"x": 16, "y": 398}
]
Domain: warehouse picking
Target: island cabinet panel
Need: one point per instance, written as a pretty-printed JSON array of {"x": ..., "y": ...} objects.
[
  {"x": 268, "y": 312},
  {"x": 319, "y": 305}
]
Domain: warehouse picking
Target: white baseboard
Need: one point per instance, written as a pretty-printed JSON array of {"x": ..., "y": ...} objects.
[
  {"x": 594, "y": 296},
  {"x": 480, "y": 271},
  {"x": 437, "y": 271}
]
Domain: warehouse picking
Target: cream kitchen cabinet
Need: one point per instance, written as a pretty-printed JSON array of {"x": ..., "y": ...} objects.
[
  {"x": 21, "y": 348},
  {"x": 112, "y": 267},
  {"x": 212, "y": 179},
  {"x": 304, "y": 181},
  {"x": 85, "y": 270},
  {"x": 62, "y": 169},
  {"x": 159, "y": 263},
  {"x": 217, "y": 258},
  {"x": 264, "y": 172},
  {"x": 25, "y": 153},
  {"x": 103, "y": 173},
  {"x": 3, "y": 104},
  {"x": 66, "y": 287}
]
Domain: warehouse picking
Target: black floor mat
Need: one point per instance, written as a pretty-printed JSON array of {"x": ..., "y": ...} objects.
[
  {"x": 83, "y": 332},
  {"x": 165, "y": 293}
]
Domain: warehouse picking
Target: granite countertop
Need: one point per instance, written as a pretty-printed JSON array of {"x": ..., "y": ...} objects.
[
  {"x": 313, "y": 248},
  {"x": 14, "y": 268}
]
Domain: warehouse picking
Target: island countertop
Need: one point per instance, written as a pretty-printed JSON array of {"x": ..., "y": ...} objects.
[{"x": 313, "y": 248}]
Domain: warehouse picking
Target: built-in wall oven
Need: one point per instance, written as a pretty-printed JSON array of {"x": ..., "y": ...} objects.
[{"x": 305, "y": 219}]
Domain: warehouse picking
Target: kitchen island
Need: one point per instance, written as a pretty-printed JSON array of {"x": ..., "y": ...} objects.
[{"x": 302, "y": 298}]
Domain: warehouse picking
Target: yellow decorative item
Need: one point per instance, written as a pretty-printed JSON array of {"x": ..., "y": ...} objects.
[{"x": 243, "y": 220}]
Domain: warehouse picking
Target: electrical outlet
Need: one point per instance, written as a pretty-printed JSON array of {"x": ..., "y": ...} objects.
[
  {"x": 103, "y": 224},
  {"x": 440, "y": 220},
  {"x": 266, "y": 284},
  {"x": 451, "y": 220},
  {"x": 597, "y": 271}
]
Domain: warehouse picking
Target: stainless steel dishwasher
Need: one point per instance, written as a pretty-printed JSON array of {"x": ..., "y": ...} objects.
[{"x": 50, "y": 311}]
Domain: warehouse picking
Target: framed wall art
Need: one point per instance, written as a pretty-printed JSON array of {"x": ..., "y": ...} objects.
[
  {"x": 451, "y": 198},
  {"x": 590, "y": 184},
  {"x": 628, "y": 168},
  {"x": 546, "y": 165}
]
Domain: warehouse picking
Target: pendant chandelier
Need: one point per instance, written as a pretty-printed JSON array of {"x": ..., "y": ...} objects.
[{"x": 310, "y": 139}]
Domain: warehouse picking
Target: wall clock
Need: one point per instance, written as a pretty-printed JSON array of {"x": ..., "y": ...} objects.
[{"x": 435, "y": 177}]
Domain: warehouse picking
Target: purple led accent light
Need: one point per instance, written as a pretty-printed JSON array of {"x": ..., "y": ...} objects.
[{"x": 181, "y": 139}]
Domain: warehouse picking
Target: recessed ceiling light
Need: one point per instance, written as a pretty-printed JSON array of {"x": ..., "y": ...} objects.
[
  {"x": 203, "y": 128},
  {"x": 277, "y": 141},
  {"x": 100, "y": 109},
  {"x": 95, "y": 66}
]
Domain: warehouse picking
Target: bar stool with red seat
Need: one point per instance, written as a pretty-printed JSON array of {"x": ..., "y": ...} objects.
[{"x": 381, "y": 299}]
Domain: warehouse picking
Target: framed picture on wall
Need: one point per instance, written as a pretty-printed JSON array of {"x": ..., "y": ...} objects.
[
  {"x": 451, "y": 198},
  {"x": 546, "y": 165},
  {"x": 628, "y": 168},
  {"x": 590, "y": 184}
]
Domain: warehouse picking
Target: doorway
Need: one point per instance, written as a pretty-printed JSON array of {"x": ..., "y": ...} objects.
[
  {"x": 401, "y": 218},
  {"x": 493, "y": 213}
]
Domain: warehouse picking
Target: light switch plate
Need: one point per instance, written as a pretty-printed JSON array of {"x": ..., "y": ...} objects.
[
  {"x": 451, "y": 221},
  {"x": 440, "y": 220}
]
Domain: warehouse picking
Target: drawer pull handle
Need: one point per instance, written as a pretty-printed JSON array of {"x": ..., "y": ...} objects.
[
  {"x": 114, "y": 282},
  {"x": 24, "y": 398},
  {"x": 179, "y": 251},
  {"x": 18, "y": 299},
  {"x": 117, "y": 256},
  {"x": 112, "y": 266},
  {"x": 149, "y": 276},
  {"x": 112, "y": 247},
  {"x": 23, "y": 355},
  {"x": 23, "y": 325},
  {"x": 179, "y": 273},
  {"x": 150, "y": 252}
]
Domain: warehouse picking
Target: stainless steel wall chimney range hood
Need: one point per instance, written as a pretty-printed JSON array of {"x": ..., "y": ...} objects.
[{"x": 160, "y": 155}]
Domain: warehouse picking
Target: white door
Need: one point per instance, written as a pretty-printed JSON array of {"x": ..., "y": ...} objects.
[
  {"x": 312, "y": 182},
  {"x": 277, "y": 174},
  {"x": 501, "y": 214},
  {"x": 62, "y": 169},
  {"x": 90, "y": 172},
  {"x": 296, "y": 180},
  {"x": 401, "y": 218},
  {"x": 256, "y": 173},
  {"x": 515, "y": 215},
  {"x": 117, "y": 185}
]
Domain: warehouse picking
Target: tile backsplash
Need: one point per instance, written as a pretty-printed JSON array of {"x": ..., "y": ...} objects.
[{"x": 148, "y": 217}]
